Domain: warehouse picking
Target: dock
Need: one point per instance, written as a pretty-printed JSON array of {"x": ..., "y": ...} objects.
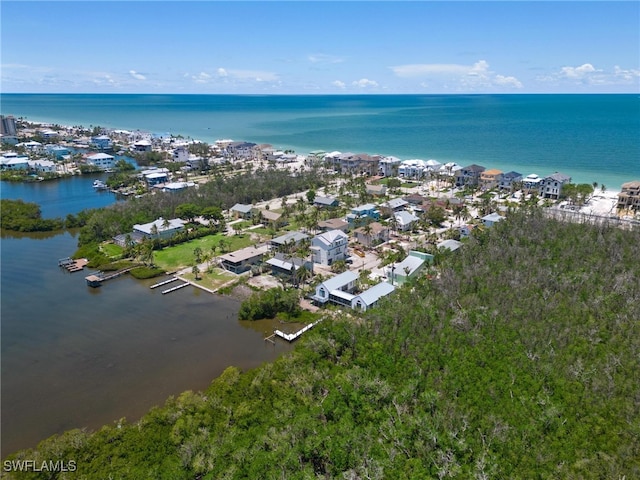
[
  {"x": 96, "y": 279},
  {"x": 156, "y": 285},
  {"x": 177, "y": 287},
  {"x": 73, "y": 265},
  {"x": 290, "y": 337}
]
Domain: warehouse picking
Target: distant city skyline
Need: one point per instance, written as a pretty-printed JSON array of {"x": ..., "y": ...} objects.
[{"x": 317, "y": 47}]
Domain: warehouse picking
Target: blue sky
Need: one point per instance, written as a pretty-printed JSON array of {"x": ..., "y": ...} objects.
[{"x": 299, "y": 47}]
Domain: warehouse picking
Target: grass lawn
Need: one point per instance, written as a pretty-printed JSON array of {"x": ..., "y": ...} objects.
[
  {"x": 111, "y": 249},
  {"x": 214, "y": 280},
  {"x": 180, "y": 256}
]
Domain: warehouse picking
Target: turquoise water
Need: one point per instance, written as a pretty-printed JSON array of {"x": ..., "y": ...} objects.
[{"x": 590, "y": 137}]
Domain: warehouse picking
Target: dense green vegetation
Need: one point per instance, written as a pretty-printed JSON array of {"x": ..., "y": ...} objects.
[
  {"x": 268, "y": 303},
  {"x": 520, "y": 361},
  {"x": 21, "y": 216}
]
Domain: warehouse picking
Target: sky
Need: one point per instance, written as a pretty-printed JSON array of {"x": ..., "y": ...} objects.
[{"x": 319, "y": 47}]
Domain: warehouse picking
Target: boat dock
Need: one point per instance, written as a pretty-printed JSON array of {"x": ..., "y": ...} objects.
[
  {"x": 290, "y": 337},
  {"x": 72, "y": 265},
  {"x": 96, "y": 279},
  {"x": 177, "y": 287},
  {"x": 172, "y": 279}
]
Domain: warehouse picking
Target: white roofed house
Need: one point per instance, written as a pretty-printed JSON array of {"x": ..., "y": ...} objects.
[
  {"x": 242, "y": 260},
  {"x": 288, "y": 241},
  {"x": 43, "y": 166},
  {"x": 284, "y": 265},
  {"x": 405, "y": 220},
  {"x": 410, "y": 267},
  {"x": 160, "y": 228},
  {"x": 370, "y": 297},
  {"x": 142, "y": 146},
  {"x": 101, "y": 142},
  {"x": 103, "y": 161},
  {"x": 532, "y": 183},
  {"x": 337, "y": 290},
  {"x": 329, "y": 247},
  {"x": 491, "y": 219},
  {"x": 388, "y": 166},
  {"x": 241, "y": 210}
]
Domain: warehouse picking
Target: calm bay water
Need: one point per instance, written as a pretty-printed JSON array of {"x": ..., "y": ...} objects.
[
  {"x": 74, "y": 356},
  {"x": 590, "y": 137}
]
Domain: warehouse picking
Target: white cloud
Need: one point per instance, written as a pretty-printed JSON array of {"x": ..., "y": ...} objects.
[
  {"x": 476, "y": 76},
  {"x": 365, "y": 83},
  {"x": 136, "y": 75},
  {"x": 201, "y": 77},
  {"x": 324, "y": 58},
  {"x": 578, "y": 72},
  {"x": 222, "y": 72},
  {"x": 339, "y": 84},
  {"x": 251, "y": 75},
  {"x": 626, "y": 75}
]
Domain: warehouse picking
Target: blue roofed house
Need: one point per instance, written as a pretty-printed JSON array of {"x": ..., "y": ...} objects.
[{"x": 101, "y": 142}]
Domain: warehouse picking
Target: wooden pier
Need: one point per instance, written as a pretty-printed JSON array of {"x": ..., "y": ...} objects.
[
  {"x": 73, "y": 265},
  {"x": 290, "y": 337},
  {"x": 177, "y": 287},
  {"x": 172, "y": 279},
  {"x": 96, "y": 279}
]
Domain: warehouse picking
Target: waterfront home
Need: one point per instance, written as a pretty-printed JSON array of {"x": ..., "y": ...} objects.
[
  {"x": 103, "y": 161},
  {"x": 31, "y": 146},
  {"x": 356, "y": 163},
  {"x": 284, "y": 265},
  {"x": 42, "y": 166},
  {"x": 173, "y": 187},
  {"x": 180, "y": 154},
  {"x": 361, "y": 214},
  {"x": 154, "y": 176},
  {"x": 449, "y": 244},
  {"x": 370, "y": 297},
  {"x": 414, "y": 168},
  {"x": 373, "y": 234},
  {"x": 410, "y": 267},
  {"x": 325, "y": 202},
  {"x": 532, "y": 183},
  {"x": 241, "y": 210},
  {"x": 333, "y": 224},
  {"x": 469, "y": 176},
  {"x": 240, "y": 150},
  {"x": 329, "y": 247},
  {"x": 510, "y": 180},
  {"x": 13, "y": 161},
  {"x": 388, "y": 166},
  {"x": 405, "y": 220},
  {"x": 57, "y": 151},
  {"x": 242, "y": 260},
  {"x": 490, "y": 178},
  {"x": 629, "y": 197},
  {"x": 288, "y": 242},
  {"x": 551, "y": 186},
  {"x": 101, "y": 142},
  {"x": 336, "y": 289},
  {"x": 160, "y": 228},
  {"x": 491, "y": 219}
]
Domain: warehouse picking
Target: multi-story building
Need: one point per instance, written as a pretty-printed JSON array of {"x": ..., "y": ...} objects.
[
  {"x": 551, "y": 186},
  {"x": 629, "y": 197},
  {"x": 329, "y": 247},
  {"x": 469, "y": 176}
]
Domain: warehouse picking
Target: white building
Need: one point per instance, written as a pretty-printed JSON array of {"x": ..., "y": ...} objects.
[
  {"x": 336, "y": 289},
  {"x": 103, "y": 161},
  {"x": 329, "y": 247},
  {"x": 160, "y": 228}
]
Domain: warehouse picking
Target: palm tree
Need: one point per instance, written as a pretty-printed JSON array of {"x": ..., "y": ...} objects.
[
  {"x": 197, "y": 252},
  {"x": 196, "y": 271}
]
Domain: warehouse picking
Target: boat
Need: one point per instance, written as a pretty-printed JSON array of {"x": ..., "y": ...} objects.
[{"x": 99, "y": 185}]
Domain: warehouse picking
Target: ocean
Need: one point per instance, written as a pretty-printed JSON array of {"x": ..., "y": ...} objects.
[{"x": 592, "y": 138}]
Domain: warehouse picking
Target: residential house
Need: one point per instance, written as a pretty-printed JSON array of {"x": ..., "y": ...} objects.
[
  {"x": 329, "y": 247},
  {"x": 337, "y": 290},
  {"x": 466, "y": 230},
  {"x": 57, "y": 151},
  {"x": 551, "y": 186},
  {"x": 370, "y": 297},
  {"x": 388, "y": 166},
  {"x": 42, "y": 166},
  {"x": 283, "y": 265},
  {"x": 13, "y": 161},
  {"x": 270, "y": 217},
  {"x": 373, "y": 234},
  {"x": 394, "y": 205},
  {"x": 325, "y": 202},
  {"x": 490, "y": 178},
  {"x": 242, "y": 260},
  {"x": 160, "y": 228},
  {"x": 532, "y": 183},
  {"x": 629, "y": 197},
  {"x": 142, "y": 146},
  {"x": 333, "y": 224},
  {"x": 101, "y": 142},
  {"x": 449, "y": 244},
  {"x": 362, "y": 214},
  {"x": 409, "y": 268},
  {"x": 289, "y": 241},
  {"x": 491, "y": 219},
  {"x": 377, "y": 190},
  {"x": 173, "y": 187},
  {"x": 241, "y": 210},
  {"x": 241, "y": 150},
  {"x": 103, "y": 161},
  {"x": 356, "y": 163},
  {"x": 154, "y": 176},
  {"x": 405, "y": 220},
  {"x": 510, "y": 180},
  {"x": 469, "y": 176}
]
